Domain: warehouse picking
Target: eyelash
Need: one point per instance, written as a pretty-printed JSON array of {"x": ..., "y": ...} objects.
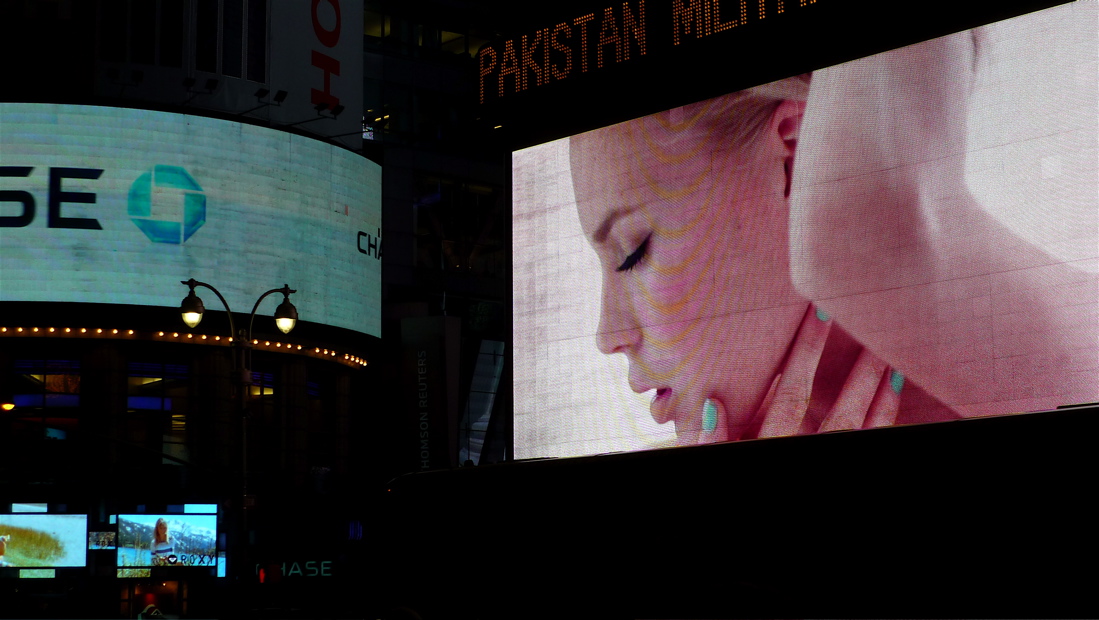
[{"x": 635, "y": 257}]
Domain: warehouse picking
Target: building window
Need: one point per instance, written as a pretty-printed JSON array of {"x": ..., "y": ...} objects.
[
  {"x": 460, "y": 226},
  {"x": 47, "y": 383},
  {"x": 473, "y": 432},
  {"x": 375, "y": 25},
  {"x": 156, "y": 387},
  {"x": 45, "y": 393},
  {"x": 263, "y": 385},
  {"x": 157, "y": 399},
  {"x": 147, "y": 32},
  {"x": 230, "y": 38},
  {"x": 321, "y": 424}
]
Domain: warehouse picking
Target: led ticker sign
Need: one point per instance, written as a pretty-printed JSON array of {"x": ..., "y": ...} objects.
[
  {"x": 616, "y": 34},
  {"x": 600, "y": 62},
  {"x": 556, "y": 52},
  {"x": 625, "y": 32}
]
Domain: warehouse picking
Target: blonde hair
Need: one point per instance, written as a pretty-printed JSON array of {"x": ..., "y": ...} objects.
[
  {"x": 735, "y": 120},
  {"x": 156, "y": 531}
]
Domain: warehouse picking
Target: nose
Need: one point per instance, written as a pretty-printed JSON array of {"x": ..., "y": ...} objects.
[{"x": 619, "y": 331}]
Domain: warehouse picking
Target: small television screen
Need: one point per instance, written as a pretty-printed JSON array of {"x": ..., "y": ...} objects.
[
  {"x": 200, "y": 509},
  {"x": 167, "y": 540},
  {"x": 43, "y": 540},
  {"x": 134, "y": 573},
  {"x": 101, "y": 540},
  {"x": 24, "y": 507},
  {"x": 37, "y": 573}
]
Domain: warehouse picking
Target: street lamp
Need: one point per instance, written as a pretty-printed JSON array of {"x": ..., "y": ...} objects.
[
  {"x": 192, "y": 309},
  {"x": 286, "y": 317}
]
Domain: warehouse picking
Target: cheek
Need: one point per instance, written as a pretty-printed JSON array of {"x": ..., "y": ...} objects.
[
  {"x": 681, "y": 314},
  {"x": 719, "y": 287},
  {"x": 719, "y": 265}
]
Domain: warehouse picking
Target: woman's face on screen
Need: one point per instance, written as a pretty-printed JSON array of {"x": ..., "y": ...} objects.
[{"x": 692, "y": 240}]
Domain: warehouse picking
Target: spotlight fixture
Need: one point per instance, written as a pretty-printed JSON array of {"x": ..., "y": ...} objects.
[
  {"x": 208, "y": 89},
  {"x": 320, "y": 108},
  {"x": 262, "y": 93}
]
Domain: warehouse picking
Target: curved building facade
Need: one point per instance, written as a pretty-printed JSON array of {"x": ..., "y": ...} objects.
[{"x": 157, "y": 144}]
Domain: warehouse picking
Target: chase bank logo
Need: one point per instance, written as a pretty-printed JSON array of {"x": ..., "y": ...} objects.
[{"x": 167, "y": 204}]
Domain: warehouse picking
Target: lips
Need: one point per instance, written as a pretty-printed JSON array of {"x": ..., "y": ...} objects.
[
  {"x": 670, "y": 406},
  {"x": 661, "y": 407}
]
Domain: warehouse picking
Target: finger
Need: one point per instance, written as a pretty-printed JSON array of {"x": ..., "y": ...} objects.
[
  {"x": 849, "y": 410},
  {"x": 709, "y": 425},
  {"x": 689, "y": 429},
  {"x": 790, "y": 401},
  {"x": 715, "y": 427},
  {"x": 887, "y": 401},
  {"x": 752, "y": 429}
]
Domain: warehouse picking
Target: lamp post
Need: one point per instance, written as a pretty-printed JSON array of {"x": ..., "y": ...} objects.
[{"x": 286, "y": 317}]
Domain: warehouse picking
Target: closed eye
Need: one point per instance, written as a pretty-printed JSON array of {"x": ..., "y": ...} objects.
[{"x": 635, "y": 257}]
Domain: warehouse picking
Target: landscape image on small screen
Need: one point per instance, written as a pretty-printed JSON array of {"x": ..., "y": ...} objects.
[
  {"x": 43, "y": 540},
  {"x": 101, "y": 540}
]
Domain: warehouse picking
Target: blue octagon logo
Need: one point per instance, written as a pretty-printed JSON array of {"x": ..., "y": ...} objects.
[{"x": 167, "y": 204}]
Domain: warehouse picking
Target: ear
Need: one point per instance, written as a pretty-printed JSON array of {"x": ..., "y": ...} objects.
[{"x": 785, "y": 126}]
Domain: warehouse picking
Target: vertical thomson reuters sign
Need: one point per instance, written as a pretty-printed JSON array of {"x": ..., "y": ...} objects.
[{"x": 431, "y": 346}]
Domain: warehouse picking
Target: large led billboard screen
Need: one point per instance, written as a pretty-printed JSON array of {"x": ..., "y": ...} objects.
[
  {"x": 908, "y": 237},
  {"x": 43, "y": 540},
  {"x": 118, "y": 205}
]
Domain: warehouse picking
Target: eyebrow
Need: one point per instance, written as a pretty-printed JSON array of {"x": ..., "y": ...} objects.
[{"x": 604, "y": 229}]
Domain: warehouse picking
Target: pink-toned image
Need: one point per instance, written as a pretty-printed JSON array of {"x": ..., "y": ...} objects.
[{"x": 910, "y": 237}]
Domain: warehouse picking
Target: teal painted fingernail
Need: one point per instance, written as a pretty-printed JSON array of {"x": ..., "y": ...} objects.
[
  {"x": 709, "y": 416},
  {"x": 822, "y": 315},
  {"x": 896, "y": 381}
]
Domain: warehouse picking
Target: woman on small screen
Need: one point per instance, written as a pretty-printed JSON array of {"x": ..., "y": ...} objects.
[
  {"x": 780, "y": 260},
  {"x": 162, "y": 542}
]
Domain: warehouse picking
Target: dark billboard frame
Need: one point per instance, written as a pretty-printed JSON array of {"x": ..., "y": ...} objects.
[{"x": 540, "y": 104}]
